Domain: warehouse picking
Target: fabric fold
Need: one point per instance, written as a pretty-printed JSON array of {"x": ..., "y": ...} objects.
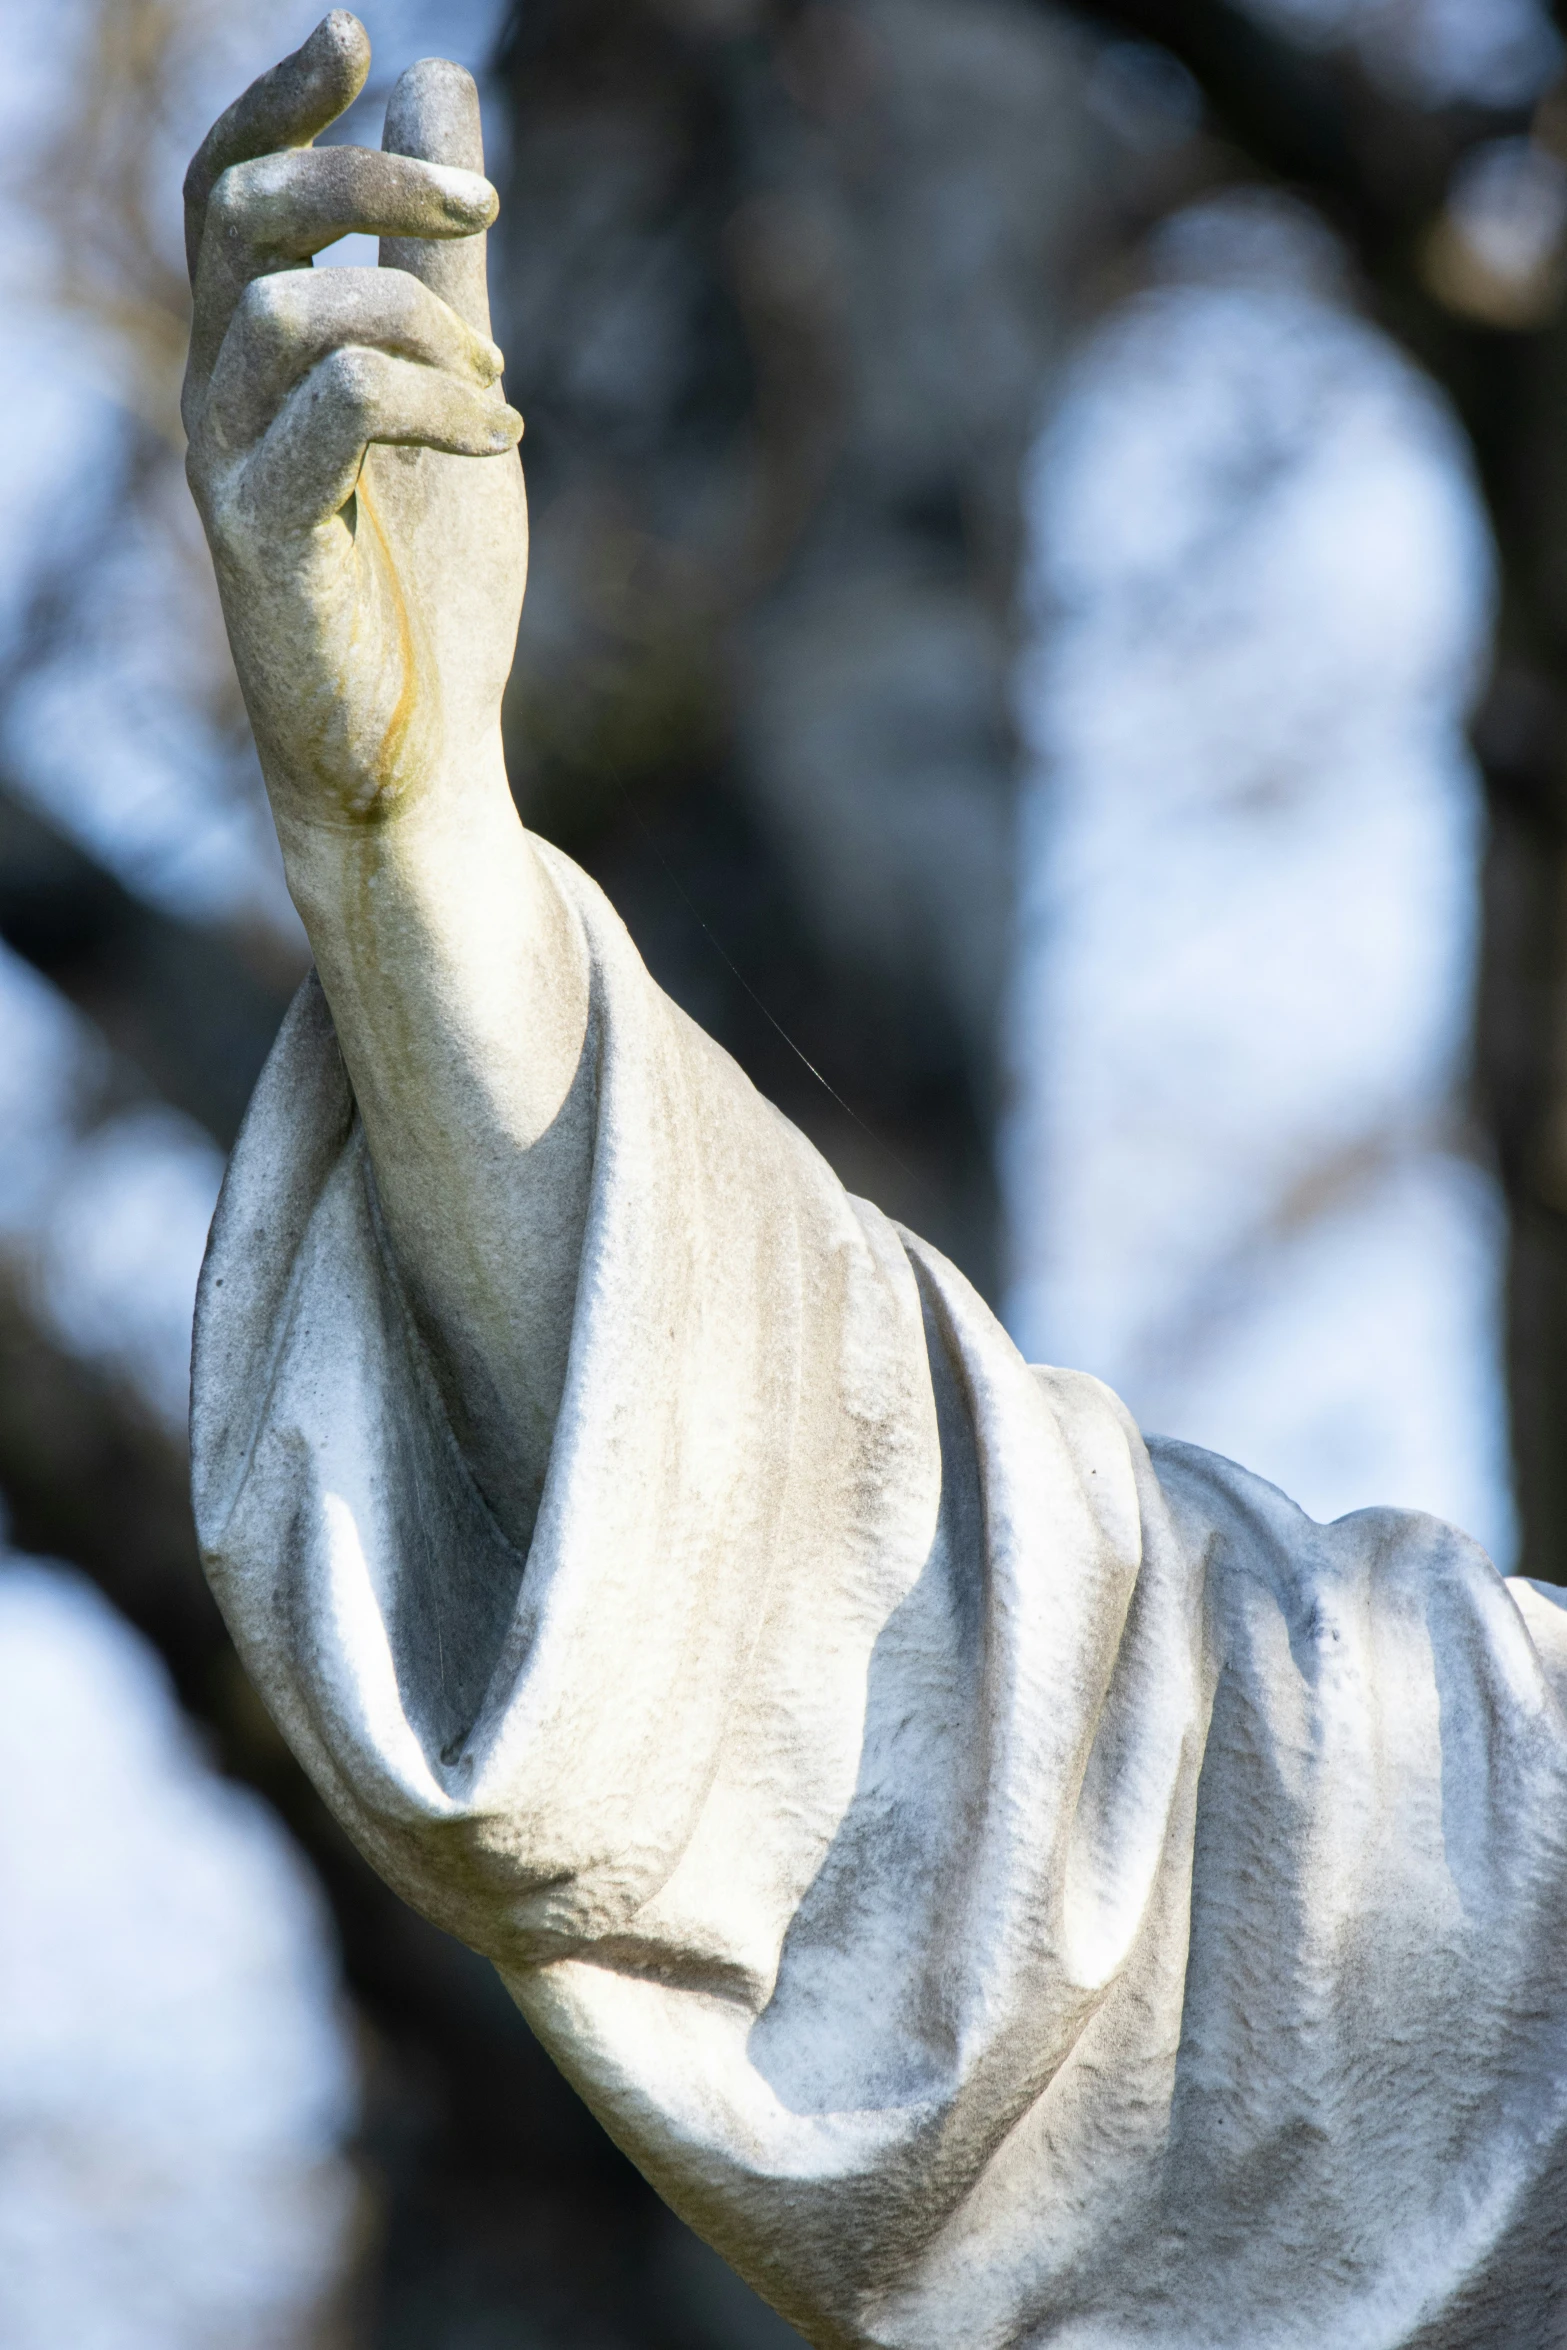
[{"x": 1003, "y": 1882}]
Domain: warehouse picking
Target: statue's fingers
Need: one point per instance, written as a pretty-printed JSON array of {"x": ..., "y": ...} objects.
[
  {"x": 287, "y": 107},
  {"x": 285, "y": 324},
  {"x": 434, "y": 113},
  {"x": 276, "y": 211},
  {"x": 306, "y": 468}
]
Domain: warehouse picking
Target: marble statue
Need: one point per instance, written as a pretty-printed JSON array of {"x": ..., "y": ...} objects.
[{"x": 1004, "y": 1880}]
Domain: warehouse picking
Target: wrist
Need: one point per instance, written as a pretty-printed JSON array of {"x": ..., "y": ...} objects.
[
  {"x": 442, "y": 941},
  {"x": 332, "y": 851}
]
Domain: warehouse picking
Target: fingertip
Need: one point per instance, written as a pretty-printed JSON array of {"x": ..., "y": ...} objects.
[
  {"x": 432, "y": 82},
  {"x": 328, "y": 69},
  {"x": 339, "y": 37},
  {"x": 434, "y": 113},
  {"x": 479, "y": 194},
  {"x": 469, "y": 197}
]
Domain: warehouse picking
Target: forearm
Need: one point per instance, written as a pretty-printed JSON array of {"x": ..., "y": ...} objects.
[
  {"x": 353, "y": 458},
  {"x": 458, "y": 984}
]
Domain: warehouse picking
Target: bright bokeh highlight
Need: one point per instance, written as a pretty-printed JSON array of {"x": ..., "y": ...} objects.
[{"x": 1242, "y": 1183}]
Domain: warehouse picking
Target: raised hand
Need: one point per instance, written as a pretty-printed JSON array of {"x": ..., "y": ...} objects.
[
  {"x": 371, "y": 568},
  {"x": 355, "y": 464}
]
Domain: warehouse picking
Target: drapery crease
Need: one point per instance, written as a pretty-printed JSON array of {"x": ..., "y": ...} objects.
[{"x": 1004, "y": 1882}]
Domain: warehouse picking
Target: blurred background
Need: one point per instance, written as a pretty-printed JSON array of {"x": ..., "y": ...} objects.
[{"x": 1049, "y": 587}]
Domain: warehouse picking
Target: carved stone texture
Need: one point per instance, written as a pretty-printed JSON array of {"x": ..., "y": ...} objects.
[{"x": 1003, "y": 1881}]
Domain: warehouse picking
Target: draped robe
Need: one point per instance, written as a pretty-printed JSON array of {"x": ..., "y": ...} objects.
[{"x": 1003, "y": 1880}]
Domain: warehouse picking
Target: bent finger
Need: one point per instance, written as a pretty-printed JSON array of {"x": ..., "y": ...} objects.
[
  {"x": 284, "y": 324},
  {"x": 434, "y": 113},
  {"x": 286, "y": 107},
  {"x": 306, "y": 468},
  {"x": 277, "y": 210}
]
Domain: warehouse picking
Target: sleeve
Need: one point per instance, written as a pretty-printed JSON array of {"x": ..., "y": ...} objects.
[{"x": 831, "y": 1780}]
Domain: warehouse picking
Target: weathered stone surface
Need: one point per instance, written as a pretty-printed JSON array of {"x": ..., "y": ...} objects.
[{"x": 1003, "y": 1882}]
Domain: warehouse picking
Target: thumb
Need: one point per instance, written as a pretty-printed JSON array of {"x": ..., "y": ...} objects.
[{"x": 433, "y": 113}]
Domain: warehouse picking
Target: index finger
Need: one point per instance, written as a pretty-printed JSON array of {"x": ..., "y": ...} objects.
[{"x": 286, "y": 107}]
